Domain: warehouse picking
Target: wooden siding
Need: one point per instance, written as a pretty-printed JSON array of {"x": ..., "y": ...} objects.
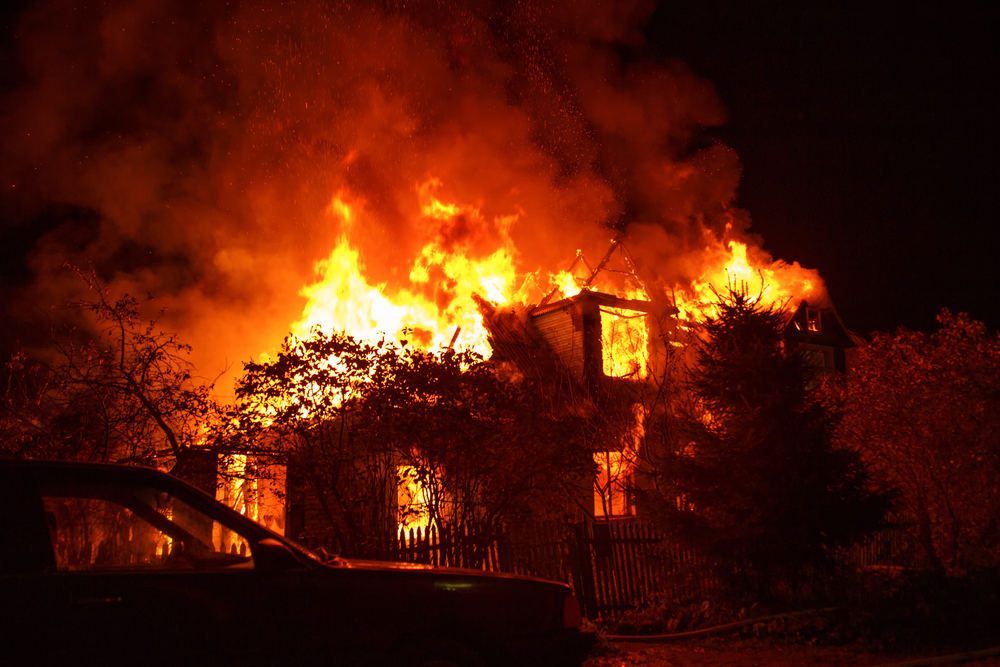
[{"x": 557, "y": 329}]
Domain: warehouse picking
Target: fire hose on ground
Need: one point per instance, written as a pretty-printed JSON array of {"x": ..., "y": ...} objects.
[{"x": 718, "y": 629}]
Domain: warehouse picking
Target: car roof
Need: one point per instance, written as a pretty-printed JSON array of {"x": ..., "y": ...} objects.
[{"x": 62, "y": 463}]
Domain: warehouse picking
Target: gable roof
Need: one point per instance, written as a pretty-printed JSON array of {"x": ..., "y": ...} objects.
[{"x": 830, "y": 331}]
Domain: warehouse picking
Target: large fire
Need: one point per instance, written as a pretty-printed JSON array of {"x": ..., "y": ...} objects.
[
  {"x": 437, "y": 310},
  {"x": 731, "y": 262},
  {"x": 413, "y": 154},
  {"x": 373, "y": 168}
]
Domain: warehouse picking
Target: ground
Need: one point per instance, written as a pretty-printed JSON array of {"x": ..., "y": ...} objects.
[{"x": 722, "y": 652}]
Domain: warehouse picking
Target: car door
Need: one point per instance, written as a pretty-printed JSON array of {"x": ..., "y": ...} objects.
[
  {"x": 106, "y": 565},
  {"x": 136, "y": 575}
]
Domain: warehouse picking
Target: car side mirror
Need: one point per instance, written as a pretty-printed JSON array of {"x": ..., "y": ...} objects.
[{"x": 270, "y": 555}]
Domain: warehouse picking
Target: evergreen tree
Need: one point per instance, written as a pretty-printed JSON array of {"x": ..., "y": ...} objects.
[{"x": 749, "y": 471}]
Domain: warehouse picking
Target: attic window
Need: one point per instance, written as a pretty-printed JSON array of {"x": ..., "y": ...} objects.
[{"x": 813, "y": 322}]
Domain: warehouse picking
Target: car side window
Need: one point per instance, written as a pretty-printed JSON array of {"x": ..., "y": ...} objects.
[{"x": 137, "y": 529}]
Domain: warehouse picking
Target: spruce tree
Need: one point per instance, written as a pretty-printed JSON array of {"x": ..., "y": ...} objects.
[{"x": 751, "y": 476}]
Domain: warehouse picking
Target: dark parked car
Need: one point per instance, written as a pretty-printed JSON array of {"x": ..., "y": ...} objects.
[{"x": 105, "y": 564}]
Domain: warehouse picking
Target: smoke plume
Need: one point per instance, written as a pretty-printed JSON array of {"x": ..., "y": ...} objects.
[{"x": 191, "y": 150}]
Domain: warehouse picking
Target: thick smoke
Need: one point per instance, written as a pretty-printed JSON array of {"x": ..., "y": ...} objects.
[{"x": 190, "y": 150}]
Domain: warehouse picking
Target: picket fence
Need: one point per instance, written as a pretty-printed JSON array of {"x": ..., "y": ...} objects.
[
  {"x": 886, "y": 547},
  {"x": 613, "y": 567}
]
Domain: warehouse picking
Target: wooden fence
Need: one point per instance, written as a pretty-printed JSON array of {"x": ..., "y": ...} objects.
[
  {"x": 886, "y": 547},
  {"x": 613, "y": 566},
  {"x": 466, "y": 549},
  {"x": 627, "y": 565}
]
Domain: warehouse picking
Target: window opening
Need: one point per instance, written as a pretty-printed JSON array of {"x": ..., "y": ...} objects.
[
  {"x": 413, "y": 500},
  {"x": 614, "y": 476},
  {"x": 813, "y": 322},
  {"x": 624, "y": 342}
]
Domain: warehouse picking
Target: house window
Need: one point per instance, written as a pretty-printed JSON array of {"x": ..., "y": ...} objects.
[
  {"x": 624, "y": 343},
  {"x": 820, "y": 359},
  {"x": 253, "y": 489},
  {"x": 614, "y": 476},
  {"x": 412, "y": 500},
  {"x": 813, "y": 322}
]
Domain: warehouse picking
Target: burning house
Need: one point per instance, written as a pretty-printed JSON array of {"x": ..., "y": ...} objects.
[
  {"x": 609, "y": 346},
  {"x": 417, "y": 170},
  {"x": 594, "y": 342},
  {"x": 592, "y": 349},
  {"x": 598, "y": 341}
]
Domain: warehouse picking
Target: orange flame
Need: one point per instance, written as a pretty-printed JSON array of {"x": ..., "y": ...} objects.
[
  {"x": 437, "y": 305},
  {"x": 436, "y": 308},
  {"x": 732, "y": 263}
]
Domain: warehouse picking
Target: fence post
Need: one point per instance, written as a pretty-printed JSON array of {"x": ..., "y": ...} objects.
[{"x": 583, "y": 569}]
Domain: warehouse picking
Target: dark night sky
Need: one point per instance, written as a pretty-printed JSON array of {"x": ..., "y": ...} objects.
[
  {"x": 868, "y": 137},
  {"x": 868, "y": 140}
]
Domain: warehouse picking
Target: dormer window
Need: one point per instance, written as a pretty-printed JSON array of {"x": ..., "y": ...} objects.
[{"x": 813, "y": 322}]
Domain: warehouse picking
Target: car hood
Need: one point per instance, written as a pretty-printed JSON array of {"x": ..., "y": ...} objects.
[{"x": 358, "y": 564}]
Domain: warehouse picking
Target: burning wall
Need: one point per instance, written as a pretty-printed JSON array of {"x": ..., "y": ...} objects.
[{"x": 262, "y": 167}]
